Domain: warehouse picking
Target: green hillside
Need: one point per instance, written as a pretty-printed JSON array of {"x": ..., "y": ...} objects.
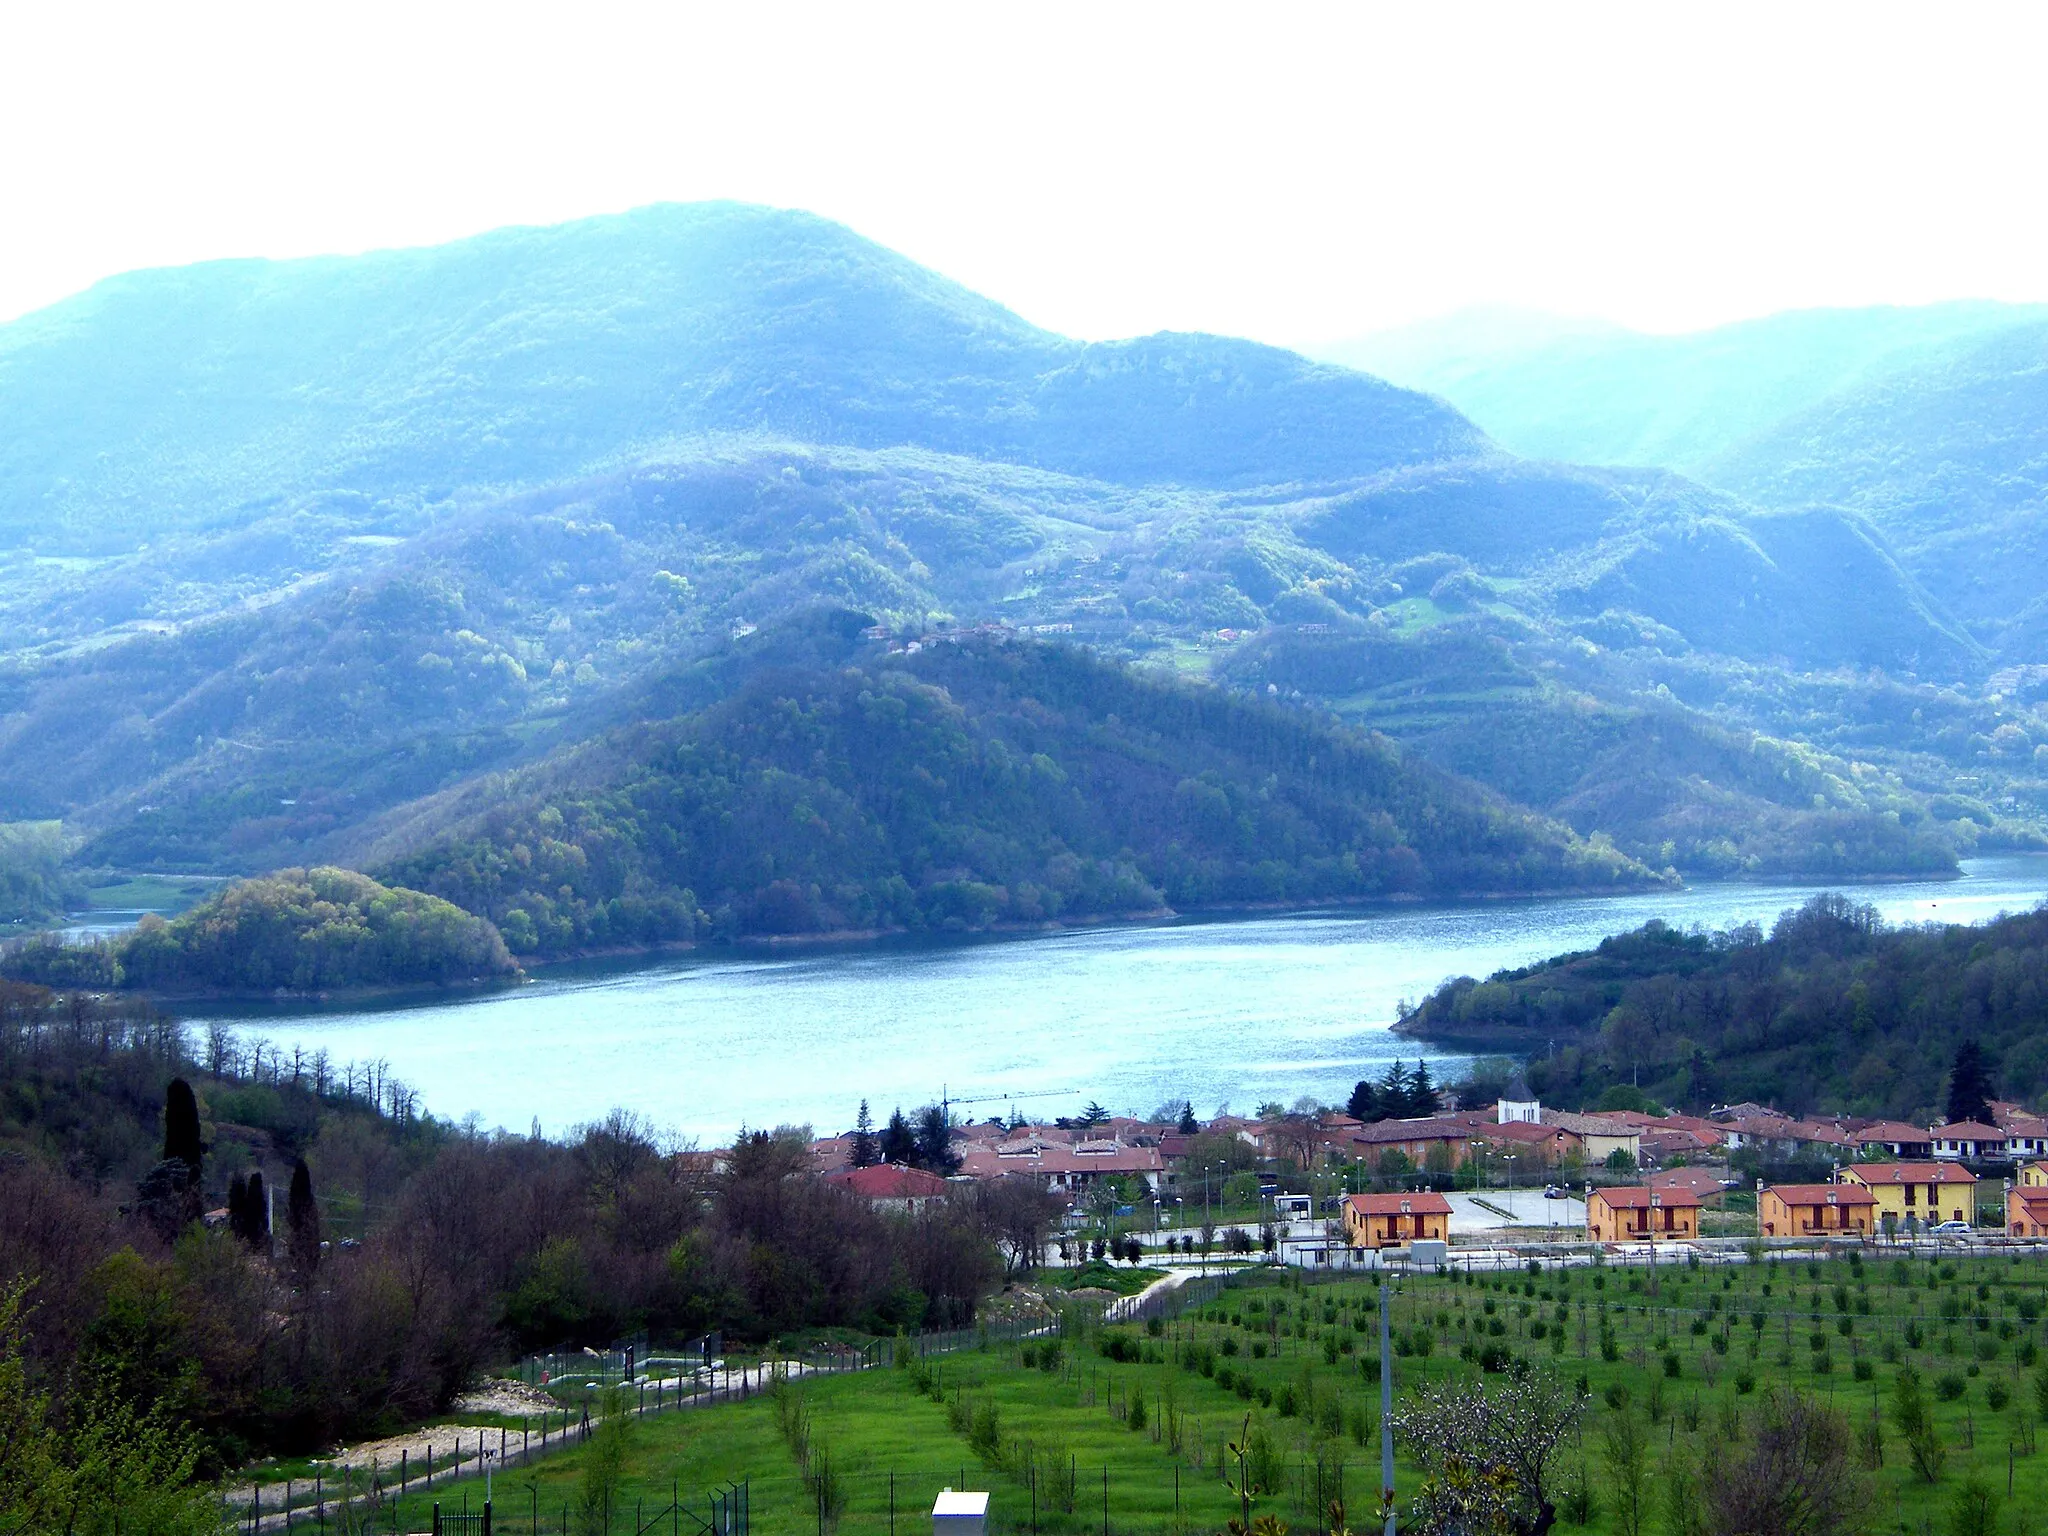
[
  {"x": 1832, "y": 1011},
  {"x": 973, "y": 785}
]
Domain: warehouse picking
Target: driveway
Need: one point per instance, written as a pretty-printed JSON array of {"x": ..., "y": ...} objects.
[{"x": 1492, "y": 1209}]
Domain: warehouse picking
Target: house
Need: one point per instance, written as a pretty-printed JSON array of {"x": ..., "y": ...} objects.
[
  {"x": 1517, "y": 1103},
  {"x": 1701, "y": 1182},
  {"x": 1383, "y": 1221},
  {"x": 1915, "y": 1195},
  {"x": 2026, "y": 1203},
  {"x": 1638, "y": 1213},
  {"x": 1903, "y": 1141},
  {"x": 1808, "y": 1210},
  {"x": 891, "y": 1186},
  {"x": 1598, "y": 1137},
  {"x": 2025, "y": 1136},
  {"x": 1067, "y": 1167},
  {"x": 1447, "y": 1138},
  {"x": 1968, "y": 1141}
]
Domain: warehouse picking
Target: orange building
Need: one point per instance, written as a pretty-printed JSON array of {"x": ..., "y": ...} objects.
[
  {"x": 1808, "y": 1210},
  {"x": 1381, "y": 1221},
  {"x": 2026, "y": 1203},
  {"x": 1636, "y": 1213}
]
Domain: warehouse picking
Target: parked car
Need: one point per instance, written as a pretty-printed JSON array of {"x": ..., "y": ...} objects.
[
  {"x": 1554, "y": 1192},
  {"x": 1952, "y": 1229}
]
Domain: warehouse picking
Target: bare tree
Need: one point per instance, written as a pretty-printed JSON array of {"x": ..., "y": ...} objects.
[{"x": 1798, "y": 1478}]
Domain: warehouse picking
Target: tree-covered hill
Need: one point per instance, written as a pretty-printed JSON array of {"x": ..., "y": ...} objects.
[
  {"x": 1832, "y": 1011},
  {"x": 972, "y": 785},
  {"x": 299, "y": 930}
]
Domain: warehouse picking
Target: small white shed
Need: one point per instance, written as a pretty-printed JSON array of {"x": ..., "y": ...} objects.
[{"x": 959, "y": 1514}]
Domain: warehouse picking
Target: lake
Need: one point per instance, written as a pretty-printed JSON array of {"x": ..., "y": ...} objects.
[{"x": 1220, "y": 1012}]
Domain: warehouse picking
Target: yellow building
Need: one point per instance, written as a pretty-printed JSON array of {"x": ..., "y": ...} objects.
[
  {"x": 1634, "y": 1213},
  {"x": 1382, "y": 1221},
  {"x": 1912, "y": 1197},
  {"x": 1811, "y": 1210}
]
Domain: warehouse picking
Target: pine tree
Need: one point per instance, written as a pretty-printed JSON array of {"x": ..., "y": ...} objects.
[
  {"x": 181, "y": 1126},
  {"x": 256, "y": 1214},
  {"x": 1423, "y": 1099},
  {"x": 1969, "y": 1084},
  {"x": 1394, "y": 1092},
  {"x": 899, "y": 1145},
  {"x": 865, "y": 1153},
  {"x": 302, "y": 1219},
  {"x": 1188, "y": 1124}
]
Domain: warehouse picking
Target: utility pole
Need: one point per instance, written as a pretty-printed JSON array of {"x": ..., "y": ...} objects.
[{"x": 1386, "y": 1416}]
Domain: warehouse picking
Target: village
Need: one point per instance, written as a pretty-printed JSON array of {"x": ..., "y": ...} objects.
[{"x": 1320, "y": 1188}]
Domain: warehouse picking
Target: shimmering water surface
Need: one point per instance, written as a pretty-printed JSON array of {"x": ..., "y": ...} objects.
[{"x": 1231, "y": 1012}]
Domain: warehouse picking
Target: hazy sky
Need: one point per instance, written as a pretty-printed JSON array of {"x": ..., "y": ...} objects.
[{"x": 1292, "y": 173}]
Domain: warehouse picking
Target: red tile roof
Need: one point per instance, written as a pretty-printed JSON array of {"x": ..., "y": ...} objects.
[
  {"x": 1636, "y": 1197},
  {"x": 1967, "y": 1130},
  {"x": 889, "y": 1181},
  {"x": 1421, "y": 1203},
  {"x": 1910, "y": 1173},
  {"x": 1892, "y": 1130},
  {"x": 1821, "y": 1194}
]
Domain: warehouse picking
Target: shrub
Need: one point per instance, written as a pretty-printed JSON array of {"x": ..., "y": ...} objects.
[{"x": 1949, "y": 1386}]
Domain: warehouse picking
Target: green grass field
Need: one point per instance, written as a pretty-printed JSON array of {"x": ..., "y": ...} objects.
[{"x": 1054, "y": 1426}]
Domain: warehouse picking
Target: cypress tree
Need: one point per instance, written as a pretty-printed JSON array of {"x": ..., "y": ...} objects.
[
  {"x": 302, "y": 1217},
  {"x": 238, "y": 1207},
  {"x": 899, "y": 1145},
  {"x": 181, "y": 1126},
  {"x": 1969, "y": 1084},
  {"x": 256, "y": 1208}
]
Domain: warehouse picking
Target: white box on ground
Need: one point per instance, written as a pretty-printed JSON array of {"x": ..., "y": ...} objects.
[{"x": 959, "y": 1514}]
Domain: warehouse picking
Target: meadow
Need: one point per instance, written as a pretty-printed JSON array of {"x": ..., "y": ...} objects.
[{"x": 1935, "y": 1364}]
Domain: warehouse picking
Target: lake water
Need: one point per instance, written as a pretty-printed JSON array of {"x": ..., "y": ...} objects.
[{"x": 1223, "y": 1013}]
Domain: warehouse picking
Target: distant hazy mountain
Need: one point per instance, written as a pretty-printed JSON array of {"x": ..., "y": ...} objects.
[
  {"x": 1949, "y": 457},
  {"x": 205, "y": 396},
  {"x": 1557, "y": 388}
]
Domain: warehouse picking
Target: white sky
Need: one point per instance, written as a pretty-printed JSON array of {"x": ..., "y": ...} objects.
[{"x": 1292, "y": 173}]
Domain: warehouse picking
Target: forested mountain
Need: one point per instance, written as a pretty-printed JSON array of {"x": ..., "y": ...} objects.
[
  {"x": 972, "y": 784},
  {"x": 1833, "y": 1011},
  {"x": 378, "y": 387},
  {"x": 297, "y": 545}
]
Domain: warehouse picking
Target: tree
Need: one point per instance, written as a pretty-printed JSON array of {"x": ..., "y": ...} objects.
[
  {"x": 1487, "y": 1454},
  {"x": 1364, "y": 1103},
  {"x": 1798, "y": 1476},
  {"x": 1620, "y": 1160},
  {"x": 238, "y": 1206},
  {"x": 1094, "y": 1114},
  {"x": 1625, "y": 1442},
  {"x": 865, "y": 1152},
  {"x": 1188, "y": 1125},
  {"x": 256, "y": 1214},
  {"x": 898, "y": 1141},
  {"x": 302, "y": 1222},
  {"x": 1423, "y": 1099},
  {"x": 1396, "y": 1091},
  {"x": 1969, "y": 1084},
  {"x": 933, "y": 1141},
  {"x": 181, "y": 1126}
]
